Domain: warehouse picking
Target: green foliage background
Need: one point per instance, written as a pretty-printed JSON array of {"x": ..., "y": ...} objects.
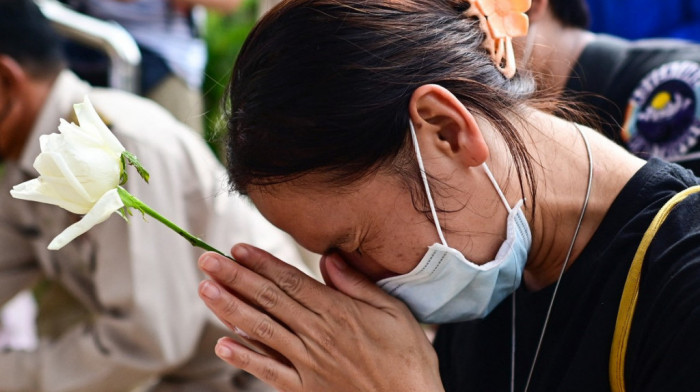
[{"x": 224, "y": 35}]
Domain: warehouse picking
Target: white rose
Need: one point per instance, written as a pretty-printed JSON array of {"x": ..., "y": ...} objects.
[{"x": 79, "y": 170}]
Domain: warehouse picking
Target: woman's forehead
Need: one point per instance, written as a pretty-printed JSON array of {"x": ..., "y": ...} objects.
[
  {"x": 317, "y": 223},
  {"x": 292, "y": 201},
  {"x": 327, "y": 214}
]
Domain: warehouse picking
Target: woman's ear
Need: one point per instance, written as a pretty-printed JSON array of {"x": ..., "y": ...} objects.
[{"x": 444, "y": 125}]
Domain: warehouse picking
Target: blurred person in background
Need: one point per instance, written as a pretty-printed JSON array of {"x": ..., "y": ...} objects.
[
  {"x": 635, "y": 19},
  {"x": 173, "y": 53},
  {"x": 118, "y": 306},
  {"x": 265, "y": 5},
  {"x": 645, "y": 93}
]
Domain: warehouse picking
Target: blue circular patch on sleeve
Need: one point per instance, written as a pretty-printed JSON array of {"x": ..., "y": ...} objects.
[{"x": 663, "y": 116}]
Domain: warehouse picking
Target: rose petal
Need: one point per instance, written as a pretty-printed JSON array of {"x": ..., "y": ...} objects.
[
  {"x": 94, "y": 166},
  {"x": 36, "y": 190},
  {"x": 77, "y": 134},
  {"x": 91, "y": 121},
  {"x": 109, "y": 203},
  {"x": 64, "y": 194},
  {"x": 51, "y": 143},
  {"x": 96, "y": 169},
  {"x": 48, "y": 162},
  {"x": 102, "y": 173}
]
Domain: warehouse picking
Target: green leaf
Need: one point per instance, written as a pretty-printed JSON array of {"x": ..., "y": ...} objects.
[
  {"x": 124, "y": 212},
  {"x": 123, "y": 176},
  {"x": 133, "y": 161}
]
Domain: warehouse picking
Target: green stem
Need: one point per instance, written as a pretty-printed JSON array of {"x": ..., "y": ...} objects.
[{"x": 133, "y": 202}]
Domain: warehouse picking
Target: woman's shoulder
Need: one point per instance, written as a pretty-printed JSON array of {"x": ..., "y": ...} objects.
[
  {"x": 675, "y": 247},
  {"x": 638, "y": 202},
  {"x": 674, "y": 252},
  {"x": 647, "y": 191},
  {"x": 664, "y": 340},
  {"x": 676, "y": 243},
  {"x": 680, "y": 230}
]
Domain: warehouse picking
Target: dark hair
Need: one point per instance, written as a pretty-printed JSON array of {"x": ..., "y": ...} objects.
[
  {"x": 323, "y": 87},
  {"x": 27, "y": 37},
  {"x": 571, "y": 13}
]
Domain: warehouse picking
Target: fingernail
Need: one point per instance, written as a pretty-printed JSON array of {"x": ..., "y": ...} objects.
[
  {"x": 211, "y": 264},
  {"x": 210, "y": 291},
  {"x": 222, "y": 350},
  {"x": 240, "y": 252}
]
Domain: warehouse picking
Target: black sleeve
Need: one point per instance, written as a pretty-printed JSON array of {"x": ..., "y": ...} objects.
[{"x": 664, "y": 346}]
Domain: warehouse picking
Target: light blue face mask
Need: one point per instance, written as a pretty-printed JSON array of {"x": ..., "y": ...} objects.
[{"x": 445, "y": 286}]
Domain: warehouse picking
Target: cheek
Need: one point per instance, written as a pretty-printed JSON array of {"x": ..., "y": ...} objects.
[
  {"x": 407, "y": 243},
  {"x": 396, "y": 256},
  {"x": 409, "y": 259},
  {"x": 397, "y": 245}
]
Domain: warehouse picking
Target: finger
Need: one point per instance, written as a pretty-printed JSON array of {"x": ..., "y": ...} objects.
[
  {"x": 257, "y": 290},
  {"x": 352, "y": 283},
  {"x": 324, "y": 271},
  {"x": 307, "y": 291},
  {"x": 236, "y": 313},
  {"x": 242, "y": 338},
  {"x": 272, "y": 372}
]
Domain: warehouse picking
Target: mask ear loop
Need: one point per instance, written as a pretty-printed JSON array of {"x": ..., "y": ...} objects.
[
  {"x": 425, "y": 182},
  {"x": 495, "y": 185}
]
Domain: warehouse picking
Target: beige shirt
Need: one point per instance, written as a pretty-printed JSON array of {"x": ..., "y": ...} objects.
[
  {"x": 137, "y": 280},
  {"x": 266, "y": 5}
]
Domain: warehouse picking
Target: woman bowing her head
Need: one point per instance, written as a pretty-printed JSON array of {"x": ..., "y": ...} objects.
[{"x": 398, "y": 139}]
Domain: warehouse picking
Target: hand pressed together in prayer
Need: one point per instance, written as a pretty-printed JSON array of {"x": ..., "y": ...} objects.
[{"x": 347, "y": 336}]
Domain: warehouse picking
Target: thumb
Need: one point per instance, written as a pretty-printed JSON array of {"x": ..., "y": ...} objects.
[
  {"x": 324, "y": 271},
  {"x": 337, "y": 273}
]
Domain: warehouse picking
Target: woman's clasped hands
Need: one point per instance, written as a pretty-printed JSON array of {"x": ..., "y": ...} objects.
[{"x": 347, "y": 336}]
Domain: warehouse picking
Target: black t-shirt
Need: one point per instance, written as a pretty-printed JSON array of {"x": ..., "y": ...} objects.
[
  {"x": 646, "y": 94},
  {"x": 664, "y": 347}
]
